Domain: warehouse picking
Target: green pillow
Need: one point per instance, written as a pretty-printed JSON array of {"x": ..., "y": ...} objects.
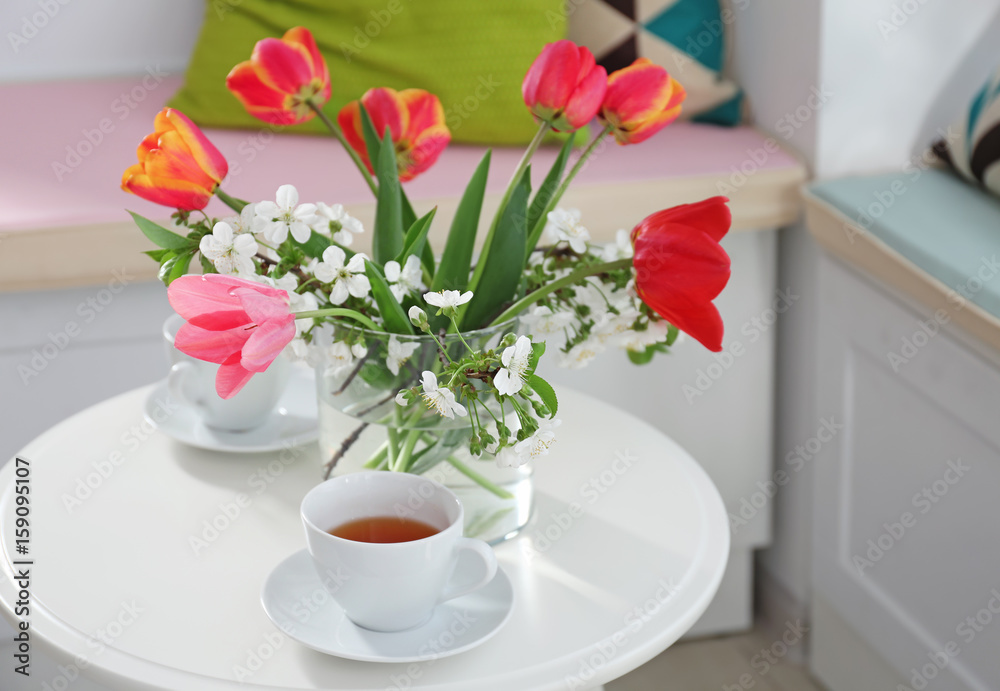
[{"x": 472, "y": 55}]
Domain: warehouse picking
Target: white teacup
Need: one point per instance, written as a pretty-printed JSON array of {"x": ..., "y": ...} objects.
[
  {"x": 192, "y": 383},
  {"x": 390, "y": 586}
]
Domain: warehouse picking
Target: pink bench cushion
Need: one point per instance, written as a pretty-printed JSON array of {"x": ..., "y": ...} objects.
[{"x": 60, "y": 169}]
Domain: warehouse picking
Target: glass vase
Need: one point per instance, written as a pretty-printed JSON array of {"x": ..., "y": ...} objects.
[{"x": 362, "y": 427}]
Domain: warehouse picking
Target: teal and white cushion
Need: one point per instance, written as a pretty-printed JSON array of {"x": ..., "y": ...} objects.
[
  {"x": 687, "y": 37},
  {"x": 973, "y": 149}
]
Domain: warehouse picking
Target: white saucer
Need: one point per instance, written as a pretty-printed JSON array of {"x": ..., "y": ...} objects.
[
  {"x": 293, "y": 422},
  {"x": 297, "y": 602}
]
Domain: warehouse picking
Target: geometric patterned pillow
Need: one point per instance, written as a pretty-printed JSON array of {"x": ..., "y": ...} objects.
[
  {"x": 687, "y": 37},
  {"x": 975, "y": 152}
]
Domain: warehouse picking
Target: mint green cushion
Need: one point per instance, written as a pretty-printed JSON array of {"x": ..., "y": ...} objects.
[
  {"x": 946, "y": 227},
  {"x": 472, "y": 55}
]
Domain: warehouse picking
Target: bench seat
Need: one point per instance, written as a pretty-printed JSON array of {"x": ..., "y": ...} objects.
[
  {"x": 66, "y": 144},
  {"x": 926, "y": 233}
]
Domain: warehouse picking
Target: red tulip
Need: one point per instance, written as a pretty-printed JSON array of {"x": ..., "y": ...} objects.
[
  {"x": 178, "y": 166},
  {"x": 281, "y": 78},
  {"x": 680, "y": 266},
  {"x": 641, "y": 100},
  {"x": 564, "y": 86},
  {"x": 240, "y": 325},
  {"x": 415, "y": 119}
]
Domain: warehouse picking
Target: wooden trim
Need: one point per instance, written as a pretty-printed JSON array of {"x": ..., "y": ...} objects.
[
  {"x": 71, "y": 256},
  {"x": 842, "y": 237}
]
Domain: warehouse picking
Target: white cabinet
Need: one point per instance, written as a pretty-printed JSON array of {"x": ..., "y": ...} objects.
[
  {"x": 718, "y": 406},
  {"x": 906, "y": 555}
]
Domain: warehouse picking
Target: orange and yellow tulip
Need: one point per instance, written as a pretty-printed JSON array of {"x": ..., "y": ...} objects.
[
  {"x": 640, "y": 101},
  {"x": 178, "y": 166},
  {"x": 281, "y": 78},
  {"x": 415, "y": 120}
]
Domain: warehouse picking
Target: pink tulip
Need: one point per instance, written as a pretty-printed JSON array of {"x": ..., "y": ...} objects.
[
  {"x": 564, "y": 86},
  {"x": 238, "y": 324}
]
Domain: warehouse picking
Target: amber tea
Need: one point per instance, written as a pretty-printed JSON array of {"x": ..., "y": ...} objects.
[{"x": 384, "y": 529}]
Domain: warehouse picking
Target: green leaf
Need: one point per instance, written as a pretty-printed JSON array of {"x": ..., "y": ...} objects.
[
  {"x": 544, "y": 194},
  {"x": 167, "y": 267},
  {"x": 537, "y": 351},
  {"x": 180, "y": 267},
  {"x": 408, "y": 214},
  {"x": 373, "y": 143},
  {"x": 504, "y": 259},
  {"x": 672, "y": 334},
  {"x": 546, "y": 393},
  {"x": 157, "y": 255},
  {"x": 641, "y": 357},
  {"x": 314, "y": 246},
  {"x": 395, "y": 319},
  {"x": 409, "y": 218},
  {"x": 453, "y": 272},
  {"x": 416, "y": 236},
  {"x": 207, "y": 267},
  {"x": 160, "y": 236},
  {"x": 388, "y": 239}
]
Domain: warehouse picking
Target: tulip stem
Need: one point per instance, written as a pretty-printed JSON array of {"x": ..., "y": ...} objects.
[
  {"x": 339, "y": 312},
  {"x": 335, "y": 129},
  {"x": 232, "y": 202},
  {"x": 536, "y": 232},
  {"x": 569, "y": 280}
]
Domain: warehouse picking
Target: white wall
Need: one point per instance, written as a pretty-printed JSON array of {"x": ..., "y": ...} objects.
[
  {"x": 777, "y": 62},
  {"x": 898, "y": 70},
  {"x": 57, "y": 39},
  {"x": 894, "y": 71}
]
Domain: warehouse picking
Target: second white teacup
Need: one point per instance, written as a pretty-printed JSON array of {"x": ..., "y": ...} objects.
[
  {"x": 390, "y": 586},
  {"x": 192, "y": 382}
]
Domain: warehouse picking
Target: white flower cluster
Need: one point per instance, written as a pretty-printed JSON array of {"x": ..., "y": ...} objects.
[
  {"x": 234, "y": 241},
  {"x": 600, "y": 314}
]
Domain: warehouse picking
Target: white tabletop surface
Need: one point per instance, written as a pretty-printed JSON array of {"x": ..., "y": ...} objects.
[{"x": 621, "y": 557}]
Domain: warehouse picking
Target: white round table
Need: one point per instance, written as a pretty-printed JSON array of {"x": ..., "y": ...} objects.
[{"x": 133, "y": 586}]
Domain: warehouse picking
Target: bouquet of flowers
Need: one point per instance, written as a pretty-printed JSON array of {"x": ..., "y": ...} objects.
[{"x": 280, "y": 275}]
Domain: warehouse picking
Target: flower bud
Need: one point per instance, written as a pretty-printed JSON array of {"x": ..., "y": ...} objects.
[{"x": 418, "y": 318}]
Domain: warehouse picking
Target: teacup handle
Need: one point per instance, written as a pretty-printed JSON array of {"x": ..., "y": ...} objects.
[
  {"x": 181, "y": 373},
  {"x": 464, "y": 546}
]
